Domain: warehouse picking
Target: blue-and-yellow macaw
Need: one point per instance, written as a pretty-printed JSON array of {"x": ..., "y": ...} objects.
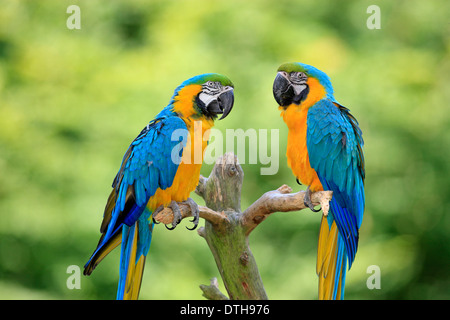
[
  {"x": 325, "y": 152},
  {"x": 160, "y": 168}
]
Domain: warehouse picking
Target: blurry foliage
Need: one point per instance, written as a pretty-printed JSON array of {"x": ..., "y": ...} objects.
[{"x": 71, "y": 101}]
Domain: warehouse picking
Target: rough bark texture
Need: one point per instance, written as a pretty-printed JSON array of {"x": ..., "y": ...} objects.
[{"x": 227, "y": 228}]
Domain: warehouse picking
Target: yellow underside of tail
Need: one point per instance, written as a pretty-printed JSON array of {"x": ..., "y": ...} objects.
[
  {"x": 326, "y": 260},
  {"x": 135, "y": 272}
]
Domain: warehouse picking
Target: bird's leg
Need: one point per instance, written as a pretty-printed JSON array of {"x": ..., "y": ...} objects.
[
  {"x": 194, "y": 211},
  {"x": 307, "y": 200},
  {"x": 155, "y": 213},
  {"x": 176, "y": 215}
]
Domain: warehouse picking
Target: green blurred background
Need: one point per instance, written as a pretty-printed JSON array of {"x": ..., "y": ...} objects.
[{"x": 71, "y": 101}]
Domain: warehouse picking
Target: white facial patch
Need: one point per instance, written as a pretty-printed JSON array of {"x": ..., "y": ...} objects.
[
  {"x": 298, "y": 88},
  {"x": 207, "y": 98}
]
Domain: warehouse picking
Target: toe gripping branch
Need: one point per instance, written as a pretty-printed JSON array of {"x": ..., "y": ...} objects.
[
  {"x": 161, "y": 214},
  {"x": 307, "y": 201},
  {"x": 175, "y": 212}
]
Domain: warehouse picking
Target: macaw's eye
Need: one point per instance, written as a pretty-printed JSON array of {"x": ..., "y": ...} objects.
[
  {"x": 209, "y": 83},
  {"x": 297, "y": 75}
]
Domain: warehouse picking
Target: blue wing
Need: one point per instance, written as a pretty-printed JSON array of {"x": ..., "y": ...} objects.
[
  {"x": 150, "y": 162},
  {"x": 334, "y": 143}
]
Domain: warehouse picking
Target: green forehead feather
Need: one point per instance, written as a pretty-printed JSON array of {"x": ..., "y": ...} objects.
[
  {"x": 215, "y": 77},
  {"x": 203, "y": 78},
  {"x": 291, "y": 67}
]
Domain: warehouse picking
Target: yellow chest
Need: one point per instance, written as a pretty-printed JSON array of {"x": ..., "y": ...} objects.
[
  {"x": 188, "y": 172},
  {"x": 297, "y": 153}
]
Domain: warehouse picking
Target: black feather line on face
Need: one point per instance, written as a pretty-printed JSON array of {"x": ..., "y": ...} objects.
[
  {"x": 302, "y": 96},
  {"x": 202, "y": 109}
]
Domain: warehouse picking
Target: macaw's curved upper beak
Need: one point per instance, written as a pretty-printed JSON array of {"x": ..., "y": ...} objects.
[
  {"x": 226, "y": 102},
  {"x": 283, "y": 91},
  {"x": 223, "y": 104}
]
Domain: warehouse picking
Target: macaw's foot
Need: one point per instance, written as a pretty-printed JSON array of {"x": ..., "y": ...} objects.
[
  {"x": 176, "y": 215},
  {"x": 155, "y": 213},
  {"x": 307, "y": 200},
  {"x": 194, "y": 211}
]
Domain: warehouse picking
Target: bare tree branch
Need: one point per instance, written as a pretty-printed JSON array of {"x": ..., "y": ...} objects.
[
  {"x": 216, "y": 218},
  {"x": 281, "y": 200},
  {"x": 212, "y": 291},
  {"x": 227, "y": 228},
  {"x": 200, "y": 190}
]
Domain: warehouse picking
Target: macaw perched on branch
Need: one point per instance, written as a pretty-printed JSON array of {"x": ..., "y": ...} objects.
[
  {"x": 325, "y": 152},
  {"x": 160, "y": 168}
]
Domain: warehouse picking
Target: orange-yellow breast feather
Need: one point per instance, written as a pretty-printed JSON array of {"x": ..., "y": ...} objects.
[
  {"x": 188, "y": 172},
  {"x": 295, "y": 117}
]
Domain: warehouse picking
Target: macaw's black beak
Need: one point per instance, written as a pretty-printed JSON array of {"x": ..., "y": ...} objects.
[
  {"x": 223, "y": 104},
  {"x": 283, "y": 91},
  {"x": 226, "y": 102}
]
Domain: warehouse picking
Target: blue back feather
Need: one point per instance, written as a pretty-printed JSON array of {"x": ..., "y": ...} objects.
[
  {"x": 334, "y": 147},
  {"x": 146, "y": 166}
]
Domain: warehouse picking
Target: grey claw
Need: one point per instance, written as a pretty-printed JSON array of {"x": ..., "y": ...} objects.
[
  {"x": 307, "y": 201},
  {"x": 158, "y": 210},
  {"x": 176, "y": 215},
  {"x": 194, "y": 211}
]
